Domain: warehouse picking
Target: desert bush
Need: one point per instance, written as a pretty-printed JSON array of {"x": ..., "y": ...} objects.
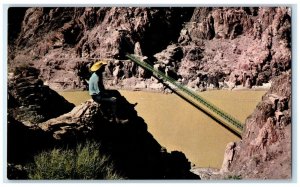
[
  {"x": 83, "y": 162},
  {"x": 234, "y": 177}
]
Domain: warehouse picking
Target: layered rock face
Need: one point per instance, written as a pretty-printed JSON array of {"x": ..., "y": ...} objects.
[
  {"x": 30, "y": 101},
  {"x": 265, "y": 149},
  {"x": 201, "y": 47}
]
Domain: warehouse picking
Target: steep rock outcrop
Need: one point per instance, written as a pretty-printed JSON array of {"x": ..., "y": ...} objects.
[
  {"x": 30, "y": 101},
  {"x": 265, "y": 149}
]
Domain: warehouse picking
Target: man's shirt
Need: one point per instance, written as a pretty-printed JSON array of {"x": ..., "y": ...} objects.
[{"x": 93, "y": 84}]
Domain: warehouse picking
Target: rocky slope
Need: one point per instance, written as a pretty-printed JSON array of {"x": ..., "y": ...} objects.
[
  {"x": 135, "y": 153},
  {"x": 265, "y": 149},
  {"x": 201, "y": 47}
]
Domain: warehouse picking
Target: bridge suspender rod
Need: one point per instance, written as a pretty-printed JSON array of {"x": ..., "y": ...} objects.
[{"x": 191, "y": 93}]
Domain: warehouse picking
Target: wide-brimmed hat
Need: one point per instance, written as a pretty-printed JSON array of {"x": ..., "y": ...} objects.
[{"x": 98, "y": 65}]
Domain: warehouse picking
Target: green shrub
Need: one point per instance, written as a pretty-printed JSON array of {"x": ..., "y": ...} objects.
[
  {"x": 84, "y": 162},
  {"x": 234, "y": 177}
]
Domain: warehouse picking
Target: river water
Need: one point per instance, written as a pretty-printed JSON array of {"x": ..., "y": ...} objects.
[{"x": 177, "y": 125}]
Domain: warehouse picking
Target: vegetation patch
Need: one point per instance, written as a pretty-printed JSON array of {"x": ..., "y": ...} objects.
[
  {"x": 234, "y": 177},
  {"x": 84, "y": 162}
]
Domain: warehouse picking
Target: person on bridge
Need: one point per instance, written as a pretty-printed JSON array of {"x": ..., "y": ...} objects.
[{"x": 98, "y": 92}]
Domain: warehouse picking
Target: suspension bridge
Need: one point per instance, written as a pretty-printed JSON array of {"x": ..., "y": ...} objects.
[{"x": 192, "y": 97}]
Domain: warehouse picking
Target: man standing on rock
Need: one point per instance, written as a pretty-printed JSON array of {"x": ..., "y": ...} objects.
[{"x": 97, "y": 90}]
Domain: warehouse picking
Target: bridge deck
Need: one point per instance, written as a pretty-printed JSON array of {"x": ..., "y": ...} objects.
[{"x": 216, "y": 113}]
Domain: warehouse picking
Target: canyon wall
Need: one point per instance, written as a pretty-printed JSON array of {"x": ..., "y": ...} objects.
[{"x": 200, "y": 47}]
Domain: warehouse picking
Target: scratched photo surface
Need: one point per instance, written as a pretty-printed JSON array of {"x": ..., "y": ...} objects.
[{"x": 124, "y": 93}]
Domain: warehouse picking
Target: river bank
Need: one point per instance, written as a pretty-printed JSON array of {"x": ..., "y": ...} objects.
[{"x": 165, "y": 90}]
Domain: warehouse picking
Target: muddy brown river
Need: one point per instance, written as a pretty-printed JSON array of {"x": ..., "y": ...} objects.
[{"x": 177, "y": 125}]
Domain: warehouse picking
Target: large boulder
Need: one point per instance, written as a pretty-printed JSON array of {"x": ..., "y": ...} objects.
[{"x": 77, "y": 123}]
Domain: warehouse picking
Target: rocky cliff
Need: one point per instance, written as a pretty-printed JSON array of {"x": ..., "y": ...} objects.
[
  {"x": 265, "y": 149},
  {"x": 30, "y": 101},
  {"x": 201, "y": 47}
]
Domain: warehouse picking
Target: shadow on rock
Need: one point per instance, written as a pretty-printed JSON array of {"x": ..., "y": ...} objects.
[{"x": 134, "y": 151}]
